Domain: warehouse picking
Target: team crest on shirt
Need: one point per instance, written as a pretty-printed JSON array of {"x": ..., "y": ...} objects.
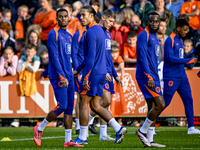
[
  {"x": 108, "y": 44},
  {"x": 67, "y": 48},
  {"x": 157, "y": 49},
  {"x": 194, "y": 7},
  {"x": 181, "y": 52}
]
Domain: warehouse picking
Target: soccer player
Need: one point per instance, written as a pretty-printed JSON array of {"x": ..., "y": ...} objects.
[
  {"x": 77, "y": 59},
  {"x": 107, "y": 20},
  {"x": 61, "y": 78},
  {"x": 147, "y": 77},
  {"x": 174, "y": 75},
  {"x": 94, "y": 77}
]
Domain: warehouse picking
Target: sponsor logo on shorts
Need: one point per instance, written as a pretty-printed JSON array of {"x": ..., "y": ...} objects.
[
  {"x": 107, "y": 86},
  {"x": 170, "y": 83},
  {"x": 158, "y": 89}
]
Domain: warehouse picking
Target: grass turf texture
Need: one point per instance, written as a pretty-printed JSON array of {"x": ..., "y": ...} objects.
[{"x": 53, "y": 138}]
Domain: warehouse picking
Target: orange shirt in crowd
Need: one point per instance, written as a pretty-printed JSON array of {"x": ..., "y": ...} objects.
[
  {"x": 189, "y": 8},
  {"x": 118, "y": 60},
  {"x": 47, "y": 22},
  {"x": 129, "y": 51},
  {"x": 74, "y": 25},
  {"x": 20, "y": 29}
]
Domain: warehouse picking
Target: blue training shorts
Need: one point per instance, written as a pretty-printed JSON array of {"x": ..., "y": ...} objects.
[
  {"x": 96, "y": 84},
  {"x": 147, "y": 92},
  {"x": 76, "y": 84},
  {"x": 64, "y": 97}
]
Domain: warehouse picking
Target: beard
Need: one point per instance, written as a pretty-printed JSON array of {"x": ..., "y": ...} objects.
[
  {"x": 153, "y": 30},
  {"x": 136, "y": 28}
]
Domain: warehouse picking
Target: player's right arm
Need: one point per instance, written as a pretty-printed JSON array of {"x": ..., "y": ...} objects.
[
  {"x": 75, "y": 47},
  {"x": 142, "y": 46},
  {"x": 169, "y": 53},
  {"x": 52, "y": 40}
]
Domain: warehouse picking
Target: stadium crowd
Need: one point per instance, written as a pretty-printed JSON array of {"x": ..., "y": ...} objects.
[{"x": 24, "y": 23}]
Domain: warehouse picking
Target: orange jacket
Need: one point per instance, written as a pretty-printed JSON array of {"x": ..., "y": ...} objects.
[
  {"x": 20, "y": 28},
  {"x": 74, "y": 25}
]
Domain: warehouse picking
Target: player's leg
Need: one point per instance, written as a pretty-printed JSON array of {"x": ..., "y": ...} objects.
[
  {"x": 91, "y": 122},
  {"x": 68, "y": 119},
  {"x": 105, "y": 114},
  {"x": 185, "y": 92},
  {"x": 77, "y": 114},
  {"x": 60, "y": 93}
]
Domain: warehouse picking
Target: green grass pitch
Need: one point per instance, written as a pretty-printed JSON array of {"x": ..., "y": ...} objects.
[{"x": 53, "y": 139}]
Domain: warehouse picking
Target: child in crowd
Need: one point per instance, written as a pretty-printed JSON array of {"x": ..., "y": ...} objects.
[
  {"x": 77, "y": 5},
  {"x": 7, "y": 14},
  {"x": 19, "y": 27},
  {"x": 189, "y": 51},
  {"x": 19, "y": 44},
  {"x": 44, "y": 60},
  {"x": 27, "y": 66},
  {"x": 129, "y": 49},
  {"x": 8, "y": 62},
  {"x": 117, "y": 59}
]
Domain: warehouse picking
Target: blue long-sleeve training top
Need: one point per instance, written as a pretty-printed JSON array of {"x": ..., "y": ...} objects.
[
  {"x": 110, "y": 66},
  {"x": 59, "y": 49},
  {"x": 174, "y": 59},
  {"x": 147, "y": 55},
  {"x": 78, "y": 48},
  {"x": 94, "y": 52}
]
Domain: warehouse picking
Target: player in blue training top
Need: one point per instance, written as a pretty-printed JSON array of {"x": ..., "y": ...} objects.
[
  {"x": 77, "y": 59},
  {"x": 147, "y": 77},
  {"x": 107, "y": 20},
  {"x": 94, "y": 77},
  {"x": 61, "y": 78},
  {"x": 174, "y": 75}
]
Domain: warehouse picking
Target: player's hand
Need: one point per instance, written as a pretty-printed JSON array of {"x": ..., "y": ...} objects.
[
  {"x": 6, "y": 65},
  {"x": 119, "y": 82},
  {"x": 79, "y": 78},
  {"x": 151, "y": 84},
  {"x": 75, "y": 73},
  {"x": 195, "y": 60},
  {"x": 64, "y": 82},
  {"x": 85, "y": 85},
  {"x": 108, "y": 77}
]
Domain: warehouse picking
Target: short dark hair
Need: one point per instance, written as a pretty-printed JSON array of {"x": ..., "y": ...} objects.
[
  {"x": 112, "y": 2},
  {"x": 162, "y": 19},
  {"x": 20, "y": 41},
  {"x": 108, "y": 13},
  {"x": 181, "y": 23},
  {"x": 153, "y": 13},
  {"x": 131, "y": 34},
  {"x": 96, "y": 19},
  {"x": 183, "y": 16},
  {"x": 30, "y": 46},
  {"x": 90, "y": 10},
  {"x": 60, "y": 10},
  {"x": 95, "y": 2}
]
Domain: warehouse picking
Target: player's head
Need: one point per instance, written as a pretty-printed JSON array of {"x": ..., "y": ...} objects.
[
  {"x": 108, "y": 18},
  {"x": 182, "y": 27},
  {"x": 188, "y": 46},
  {"x": 87, "y": 15},
  {"x": 62, "y": 18},
  {"x": 132, "y": 38},
  {"x": 153, "y": 21}
]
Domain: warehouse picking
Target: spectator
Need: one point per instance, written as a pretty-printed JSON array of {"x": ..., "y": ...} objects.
[
  {"x": 58, "y": 4},
  {"x": 136, "y": 24},
  {"x": 119, "y": 32},
  {"x": 129, "y": 4},
  {"x": 191, "y": 9},
  {"x": 1, "y": 48},
  {"x": 129, "y": 49},
  {"x": 97, "y": 7},
  {"x": 19, "y": 44},
  {"x": 44, "y": 60},
  {"x": 74, "y": 24},
  {"x": 127, "y": 13},
  {"x": 27, "y": 66},
  {"x": 165, "y": 14},
  {"x": 189, "y": 52},
  {"x": 142, "y": 9},
  {"x": 162, "y": 38},
  {"x": 1, "y": 16},
  {"x": 110, "y": 4},
  {"x": 117, "y": 59},
  {"x": 46, "y": 18},
  {"x": 22, "y": 22},
  {"x": 76, "y": 9},
  {"x": 7, "y": 14},
  {"x": 175, "y": 7},
  {"x": 8, "y": 62},
  {"x": 33, "y": 37},
  {"x": 4, "y": 34}
]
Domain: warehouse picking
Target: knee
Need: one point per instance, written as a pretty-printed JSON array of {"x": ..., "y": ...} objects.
[
  {"x": 95, "y": 107},
  {"x": 106, "y": 102}
]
